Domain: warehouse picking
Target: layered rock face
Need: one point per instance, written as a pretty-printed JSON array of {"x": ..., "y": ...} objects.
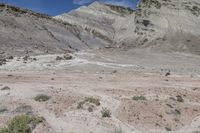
[
  {"x": 102, "y": 25},
  {"x": 161, "y": 25}
]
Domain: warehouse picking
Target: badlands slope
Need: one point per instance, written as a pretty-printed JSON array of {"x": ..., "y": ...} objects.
[{"x": 143, "y": 66}]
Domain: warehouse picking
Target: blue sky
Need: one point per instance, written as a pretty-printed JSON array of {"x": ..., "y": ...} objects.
[{"x": 55, "y": 7}]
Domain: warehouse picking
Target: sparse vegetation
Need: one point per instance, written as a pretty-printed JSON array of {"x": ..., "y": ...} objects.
[
  {"x": 93, "y": 100},
  {"x": 146, "y": 22},
  {"x": 65, "y": 57},
  {"x": 118, "y": 130},
  {"x": 5, "y": 88},
  {"x": 59, "y": 58},
  {"x": 25, "y": 109},
  {"x": 137, "y": 98},
  {"x": 196, "y": 132},
  {"x": 150, "y": 3},
  {"x": 169, "y": 105},
  {"x": 168, "y": 73},
  {"x": 2, "y": 110},
  {"x": 195, "y": 10},
  {"x": 90, "y": 108},
  {"x": 179, "y": 98},
  {"x": 23, "y": 11},
  {"x": 42, "y": 98},
  {"x": 120, "y": 9},
  {"x": 105, "y": 112},
  {"x": 90, "y": 100},
  {"x": 22, "y": 124},
  {"x": 168, "y": 129},
  {"x": 174, "y": 112}
]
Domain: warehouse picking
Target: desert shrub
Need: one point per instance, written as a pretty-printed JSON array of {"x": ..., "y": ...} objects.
[
  {"x": 67, "y": 57},
  {"x": 174, "y": 112},
  {"x": 118, "y": 130},
  {"x": 42, "y": 98},
  {"x": 59, "y": 58},
  {"x": 137, "y": 98},
  {"x": 22, "y": 124},
  {"x": 90, "y": 100},
  {"x": 168, "y": 129},
  {"x": 179, "y": 98},
  {"x": 5, "y": 88},
  {"x": 121, "y": 10},
  {"x": 25, "y": 109},
  {"x": 2, "y": 110},
  {"x": 146, "y": 22},
  {"x": 90, "y": 109},
  {"x": 196, "y": 132},
  {"x": 80, "y": 104},
  {"x": 105, "y": 112}
]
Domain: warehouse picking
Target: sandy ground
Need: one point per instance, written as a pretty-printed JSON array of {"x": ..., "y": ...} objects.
[{"x": 114, "y": 77}]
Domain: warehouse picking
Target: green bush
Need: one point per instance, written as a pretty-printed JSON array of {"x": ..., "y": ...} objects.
[
  {"x": 105, "y": 112},
  {"x": 42, "y": 98},
  {"x": 22, "y": 124},
  {"x": 90, "y": 100},
  {"x": 179, "y": 98},
  {"x": 137, "y": 98}
]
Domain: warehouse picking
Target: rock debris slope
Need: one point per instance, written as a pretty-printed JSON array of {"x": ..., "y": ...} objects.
[{"x": 161, "y": 25}]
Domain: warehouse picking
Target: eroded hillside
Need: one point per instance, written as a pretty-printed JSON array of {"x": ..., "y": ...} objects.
[{"x": 169, "y": 25}]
